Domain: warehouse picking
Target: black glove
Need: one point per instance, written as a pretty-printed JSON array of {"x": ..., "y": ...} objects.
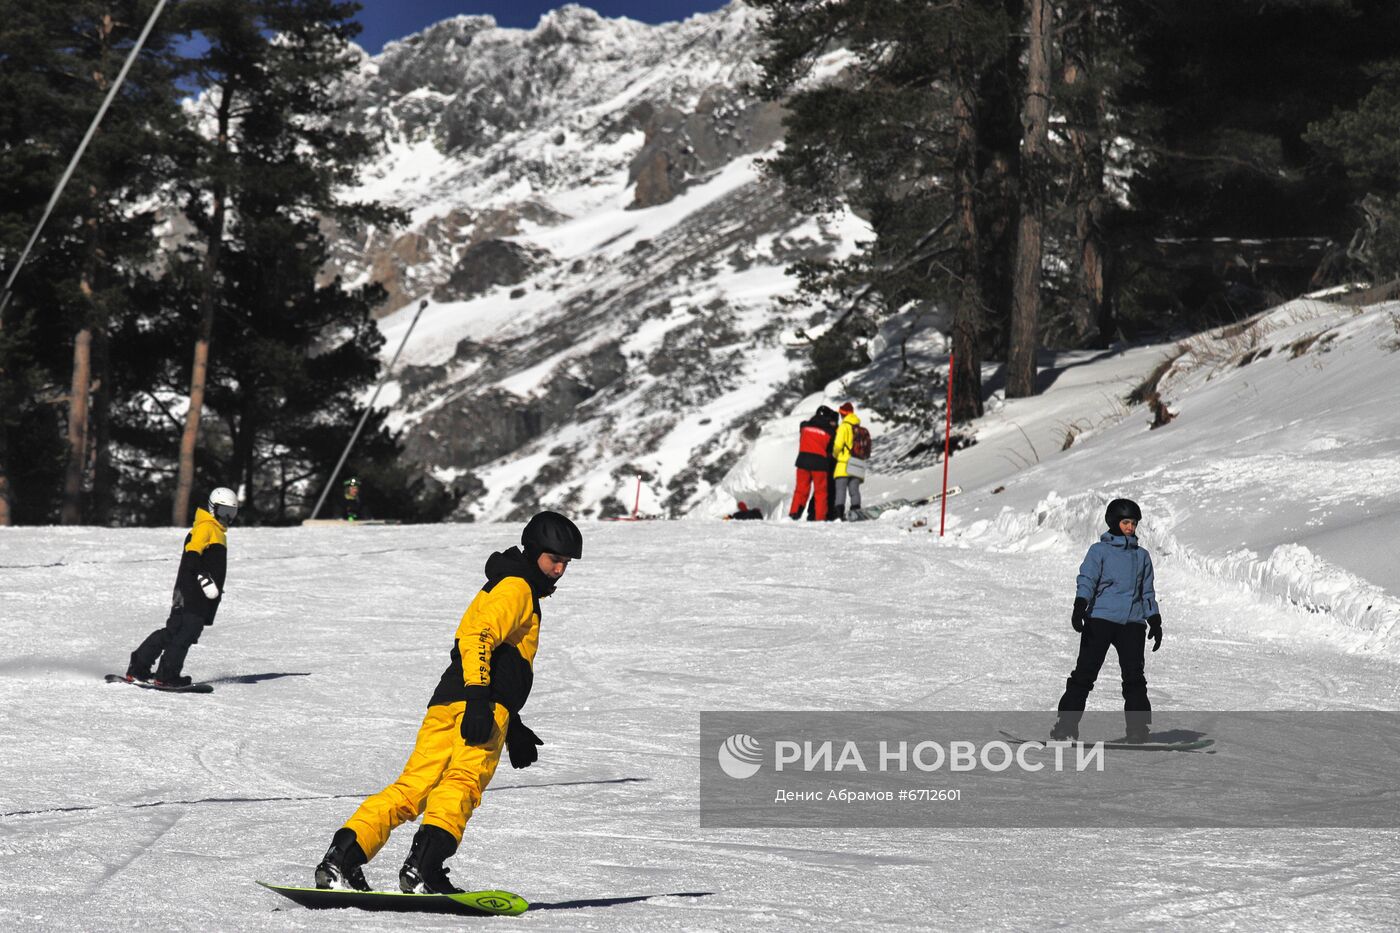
[
  {"x": 1076, "y": 619},
  {"x": 520, "y": 743},
  {"x": 1154, "y": 630},
  {"x": 479, "y": 720}
]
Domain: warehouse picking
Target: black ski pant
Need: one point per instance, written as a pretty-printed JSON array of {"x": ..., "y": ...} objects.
[
  {"x": 1098, "y": 636},
  {"x": 170, "y": 643}
]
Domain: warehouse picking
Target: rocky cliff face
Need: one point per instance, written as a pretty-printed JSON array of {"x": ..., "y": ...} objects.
[{"x": 600, "y": 253}]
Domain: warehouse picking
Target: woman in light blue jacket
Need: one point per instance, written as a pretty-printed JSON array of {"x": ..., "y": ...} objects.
[{"x": 1114, "y": 606}]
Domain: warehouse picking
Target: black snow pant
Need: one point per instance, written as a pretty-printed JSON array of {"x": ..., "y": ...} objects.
[
  {"x": 170, "y": 643},
  {"x": 1094, "y": 642}
]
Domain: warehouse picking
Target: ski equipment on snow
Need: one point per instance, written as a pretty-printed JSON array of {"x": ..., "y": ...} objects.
[
  {"x": 157, "y": 685},
  {"x": 472, "y": 903},
  {"x": 1123, "y": 744},
  {"x": 874, "y": 510}
]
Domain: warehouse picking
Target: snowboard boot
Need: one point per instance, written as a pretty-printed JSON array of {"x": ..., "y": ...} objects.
[
  {"x": 135, "y": 670},
  {"x": 341, "y": 866},
  {"x": 838, "y": 514},
  {"x": 1065, "y": 729},
  {"x": 422, "y": 871},
  {"x": 1138, "y": 723},
  {"x": 182, "y": 680}
]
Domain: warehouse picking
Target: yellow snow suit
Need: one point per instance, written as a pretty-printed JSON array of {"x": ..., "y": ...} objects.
[
  {"x": 444, "y": 776},
  {"x": 841, "y": 446}
]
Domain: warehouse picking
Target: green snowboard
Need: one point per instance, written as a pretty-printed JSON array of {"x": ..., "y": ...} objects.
[{"x": 472, "y": 903}]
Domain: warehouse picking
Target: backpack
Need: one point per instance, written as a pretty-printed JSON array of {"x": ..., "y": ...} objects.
[{"x": 860, "y": 442}]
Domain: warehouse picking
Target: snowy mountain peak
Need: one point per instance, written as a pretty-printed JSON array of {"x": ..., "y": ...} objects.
[
  {"x": 601, "y": 252},
  {"x": 568, "y": 23}
]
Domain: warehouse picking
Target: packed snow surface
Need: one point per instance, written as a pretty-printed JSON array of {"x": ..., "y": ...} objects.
[{"x": 1270, "y": 509}]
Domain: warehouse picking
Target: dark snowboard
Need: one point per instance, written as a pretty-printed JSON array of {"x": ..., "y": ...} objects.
[
  {"x": 471, "y": 903},
  {"x": 1124, "y": 745},
  {"x": 875, "y": 509},
  {"x": 149, "y": 685}
]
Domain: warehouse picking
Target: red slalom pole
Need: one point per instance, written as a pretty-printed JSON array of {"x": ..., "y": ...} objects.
[
  {"x": 637, "y": 501},
  {"x": 947, "y": 440}
]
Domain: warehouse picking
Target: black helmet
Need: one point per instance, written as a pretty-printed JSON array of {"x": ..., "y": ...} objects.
[
  {"x": 552, "y": 533},
  {"x": 1120, "y": 509}
]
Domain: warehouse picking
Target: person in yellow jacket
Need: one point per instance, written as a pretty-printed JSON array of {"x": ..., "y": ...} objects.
[
  {"x": 850, "y": 448},
  {"x": 472, "y": 716},
  {"x": 199, "y": 589}
]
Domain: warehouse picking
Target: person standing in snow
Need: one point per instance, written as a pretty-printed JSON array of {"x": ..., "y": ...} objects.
[
  {"x": 472, "y": 716},
  {"x": 850, "y": 449},
  {"x": 814, "y": 465},
  {"x": 199, "y": 589},
  {"x": 1115, "y": 606},
  {"x": 353, "y": 507}
]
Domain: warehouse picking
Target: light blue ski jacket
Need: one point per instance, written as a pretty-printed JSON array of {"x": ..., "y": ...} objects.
[{"x": 1116, "y": 579}]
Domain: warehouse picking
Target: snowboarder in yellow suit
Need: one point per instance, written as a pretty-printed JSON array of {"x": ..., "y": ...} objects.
[
  {"x": 474, "y": 713},
  {"x": 199, "y": 590}
]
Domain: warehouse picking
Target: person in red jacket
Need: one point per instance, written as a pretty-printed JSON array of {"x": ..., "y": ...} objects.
[{"x": 814, "y": 463}]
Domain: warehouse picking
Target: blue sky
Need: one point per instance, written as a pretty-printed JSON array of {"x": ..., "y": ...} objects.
[{"x": 386, "y": 20}]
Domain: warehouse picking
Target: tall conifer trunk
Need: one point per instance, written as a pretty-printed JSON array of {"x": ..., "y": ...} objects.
[
  {"x": 5, "y": 498},
  {"x": 1092, "y": 311},
  {"x": 71, "y": 512},
  {"x": 75, "y": 470},
  {"x": 967, "y": 312},
  {"x": 199, "y": 371},
  {"x": 6, "y": 517},
  {"x": 1035, "y": 172},
  {"x": 100, "y": 502}
]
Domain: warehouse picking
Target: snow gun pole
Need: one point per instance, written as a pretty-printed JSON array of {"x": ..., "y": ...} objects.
[
  {"x": 947, "y": 444},
  {"x": 637, "y": 502},
  {"x": 82, "y": 147},
  {"x": 368, "y": 408}
]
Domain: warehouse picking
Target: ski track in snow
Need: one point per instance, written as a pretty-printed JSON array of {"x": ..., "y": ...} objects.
[{"x": 134, "y": 808}]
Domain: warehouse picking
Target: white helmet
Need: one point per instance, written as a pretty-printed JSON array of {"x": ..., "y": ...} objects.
[{"x": 223, "y": 505}]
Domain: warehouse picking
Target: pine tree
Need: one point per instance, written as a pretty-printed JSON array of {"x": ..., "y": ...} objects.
[
  {"x": 294, "y": 351},
  {"x": 1365, "y": 141},
  {"x": 1089, "y": 71},
  {"x": 57, "y": 67},
  {"x": 907, "y": 139},
  {"x": 1216, "y": 114},
  {"x": 123, "y": 167}
]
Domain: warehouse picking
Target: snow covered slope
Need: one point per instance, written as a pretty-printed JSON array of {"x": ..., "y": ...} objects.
[
  {"x": 1280, "y": 470},
  {"x": 1270, "y": 508},
  {"x": 122, "y": 808}
]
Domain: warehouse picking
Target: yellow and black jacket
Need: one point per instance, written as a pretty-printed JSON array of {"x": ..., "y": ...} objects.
[
  {"x": 499, "y": 634},
  {"x": 206, "y": 552}
]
